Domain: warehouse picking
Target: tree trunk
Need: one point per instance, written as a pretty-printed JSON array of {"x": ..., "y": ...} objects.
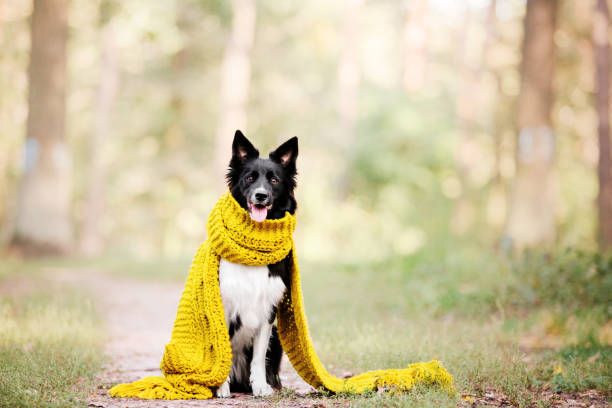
[
  {"x": 531, "y": 220},
  {"x": 348, "y": 92},
  {"x": 235, "y": 82},
  {"x": 601, "y": 40},
  {"x": 43, "y": 223},
  {"x": 92, "y": 241}
]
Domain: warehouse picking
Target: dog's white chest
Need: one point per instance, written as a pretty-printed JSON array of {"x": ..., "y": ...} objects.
[{"x": 248, "y": 292}]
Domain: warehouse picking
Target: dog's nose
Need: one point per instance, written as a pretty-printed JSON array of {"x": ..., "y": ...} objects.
[{"x": 261, "y": 197}]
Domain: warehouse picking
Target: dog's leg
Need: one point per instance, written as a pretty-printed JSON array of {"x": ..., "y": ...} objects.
[
  {"x": 224, "y": 390},
  {"x": 273, "y": 360},
  {"x": 258, "y": 365}
]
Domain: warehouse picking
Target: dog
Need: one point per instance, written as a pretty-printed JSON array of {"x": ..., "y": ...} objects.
[{"x": 250, "y": 294}]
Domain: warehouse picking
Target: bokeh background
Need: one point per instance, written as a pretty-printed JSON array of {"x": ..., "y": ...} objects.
[
  {"x": 454, "y": 155},
  {"x": 407, "y": 114}
]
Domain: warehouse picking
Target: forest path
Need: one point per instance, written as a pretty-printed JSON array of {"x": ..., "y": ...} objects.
[{"x": 138, "y": 316}]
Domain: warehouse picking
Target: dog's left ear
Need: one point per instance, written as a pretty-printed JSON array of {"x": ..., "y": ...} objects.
[{"x": 286, "y": 154}]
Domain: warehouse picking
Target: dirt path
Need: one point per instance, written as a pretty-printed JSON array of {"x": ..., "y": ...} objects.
[{"x": 139, "y": 317}]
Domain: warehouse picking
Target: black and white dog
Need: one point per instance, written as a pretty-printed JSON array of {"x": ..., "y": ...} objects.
[{"x": 250, "y": 294}]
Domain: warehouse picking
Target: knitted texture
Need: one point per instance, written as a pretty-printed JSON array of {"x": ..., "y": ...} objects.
[{"x": 198, "y": 357}]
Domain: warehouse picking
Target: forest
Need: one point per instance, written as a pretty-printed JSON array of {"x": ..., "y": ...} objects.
[{"x": 454, "y": 187}]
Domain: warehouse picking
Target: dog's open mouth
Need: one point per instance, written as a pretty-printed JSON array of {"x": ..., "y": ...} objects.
[{"x": 258, "y": 212}]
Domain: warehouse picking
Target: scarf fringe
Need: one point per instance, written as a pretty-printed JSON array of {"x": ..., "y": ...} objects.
[{"x": 157, "y": 388}]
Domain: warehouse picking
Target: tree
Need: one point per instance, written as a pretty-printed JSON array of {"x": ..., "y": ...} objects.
[
  {"x": 91, "y": 242},
  {"x": 601, "y": 40},
  {"x": 235, "y": 80},
  {"x": 43, "y": 223},
  {"x": 531, "y": 219}
]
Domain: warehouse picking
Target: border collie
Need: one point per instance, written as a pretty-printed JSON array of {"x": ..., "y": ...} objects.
[{"x": 250, "y": 294}]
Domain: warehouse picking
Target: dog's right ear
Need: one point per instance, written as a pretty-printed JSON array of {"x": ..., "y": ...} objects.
[{"x": 242, "y": 149}]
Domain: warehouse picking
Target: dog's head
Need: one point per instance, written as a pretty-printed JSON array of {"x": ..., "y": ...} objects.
[{"x": 264, "y": 187}]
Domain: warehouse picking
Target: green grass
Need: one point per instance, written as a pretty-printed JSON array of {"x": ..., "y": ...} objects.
[
  {"x": 578, "y": 367},
  {"x": 468, "y": 312},
  {"x": 416, "y": 398},
  {"x": 361, "y": 321},
  {"x": 575, "y": 280},
  {"x": 50, "y": 349}
]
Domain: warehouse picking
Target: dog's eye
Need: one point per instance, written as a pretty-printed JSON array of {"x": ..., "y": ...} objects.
[
  {"x": 274, "y": 180},
  {"x": 250, "y": 179}
]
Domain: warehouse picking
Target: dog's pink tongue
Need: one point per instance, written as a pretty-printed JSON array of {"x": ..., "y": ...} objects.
[{"x": 259, "y": 214}]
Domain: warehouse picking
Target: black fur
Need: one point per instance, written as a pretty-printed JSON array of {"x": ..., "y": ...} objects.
[
  {"x": 277, "y": 175},
  {"x": 274, "y": 356},
  {"x": 273, "y": 360},
  {"x": 235, "y": 326},
  {"x": 282, "y": 269},
  {"x": 272, "y": 316}
]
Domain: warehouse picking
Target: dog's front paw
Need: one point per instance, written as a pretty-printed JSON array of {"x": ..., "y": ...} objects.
[
  {"x": 224, "y": 390},
  {"x": 262, "y": 389}
]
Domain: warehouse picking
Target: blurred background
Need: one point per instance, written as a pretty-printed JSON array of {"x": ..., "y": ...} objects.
[
  {"x": 456, "y": 150},
  {"x": 422, "y": 123}
]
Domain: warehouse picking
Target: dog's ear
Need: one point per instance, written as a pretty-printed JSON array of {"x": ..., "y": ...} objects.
[
  {"x": 242, "y": 149},
  {"x": 286, "y": 154}
]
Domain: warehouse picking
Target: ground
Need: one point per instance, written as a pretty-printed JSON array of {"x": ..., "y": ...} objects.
[
  {"x": 495, "y": 361},
  {"x": 139, "y": 317}
]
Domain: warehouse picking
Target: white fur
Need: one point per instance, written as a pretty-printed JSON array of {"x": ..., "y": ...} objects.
[{"x": 248, "y": 291}]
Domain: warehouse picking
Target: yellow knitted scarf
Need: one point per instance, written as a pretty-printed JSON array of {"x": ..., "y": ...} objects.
[{"x": 198, "y": 357}]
